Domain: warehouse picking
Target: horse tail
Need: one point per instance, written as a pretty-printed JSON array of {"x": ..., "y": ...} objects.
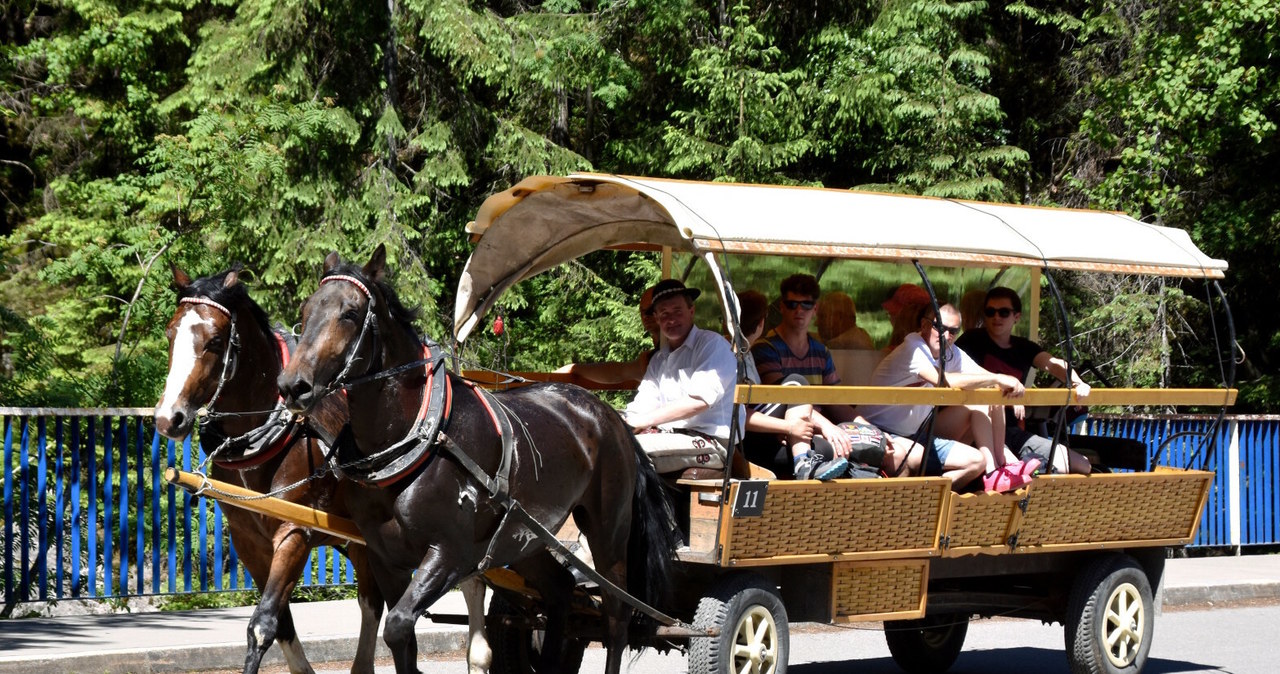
[{"x": 653, "y": 539}]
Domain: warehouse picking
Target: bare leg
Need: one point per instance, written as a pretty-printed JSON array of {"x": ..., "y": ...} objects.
[
  {"x": 799, "y": 446},
  {"x": 964, "y": 464}
]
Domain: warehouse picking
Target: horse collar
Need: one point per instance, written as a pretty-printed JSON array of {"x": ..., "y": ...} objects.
[
  {"x": 400, "y": 459},
  {"x": 266, "y": 441}
]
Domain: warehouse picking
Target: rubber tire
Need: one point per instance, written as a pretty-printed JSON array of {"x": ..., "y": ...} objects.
[
  {"x": 736, "y": 602},
  {"x": 929, "y": 644},
  {"x": 515, "y": 649},
  {"x": 1107, "y": 587}
]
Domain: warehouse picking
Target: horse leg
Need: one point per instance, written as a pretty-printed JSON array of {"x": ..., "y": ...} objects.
[
  {"x": 609, "y": 550},
  {"x": 554, "y": 583},
  {"x": 272, "y": 619},
  {"x": 479, "y": 654},
  {"x": 617, "y": 614},
  {"x": 434, "y": 576},
  {"x": 370, "y": 600}
]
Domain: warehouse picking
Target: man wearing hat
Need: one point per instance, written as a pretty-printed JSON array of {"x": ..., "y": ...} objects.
[{"x": 682, "y": 409}]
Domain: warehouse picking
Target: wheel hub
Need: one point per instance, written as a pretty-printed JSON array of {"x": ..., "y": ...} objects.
[
  {"x": 754, "y": 642},
  {"x": 1124, "y": 627}
]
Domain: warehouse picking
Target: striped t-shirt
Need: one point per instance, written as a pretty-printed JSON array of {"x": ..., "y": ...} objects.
[{"x": 774, "y": 360}]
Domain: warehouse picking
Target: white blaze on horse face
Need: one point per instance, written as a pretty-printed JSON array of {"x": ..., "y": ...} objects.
[{"x": 182, "y": 360}]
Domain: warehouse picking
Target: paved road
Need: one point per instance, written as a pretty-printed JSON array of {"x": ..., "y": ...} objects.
[{"x": 1225, "y": 640}]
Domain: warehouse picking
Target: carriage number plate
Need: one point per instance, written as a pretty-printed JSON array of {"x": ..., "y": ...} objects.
[{"x": 750, "y": 500}]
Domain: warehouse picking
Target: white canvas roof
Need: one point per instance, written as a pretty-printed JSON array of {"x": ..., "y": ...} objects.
[{"x": 545, "y": 221}]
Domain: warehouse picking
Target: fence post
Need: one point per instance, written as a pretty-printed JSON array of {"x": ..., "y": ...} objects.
[{"x": 1233, "y": 485}]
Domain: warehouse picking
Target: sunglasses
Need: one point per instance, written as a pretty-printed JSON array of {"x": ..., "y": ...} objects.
[
  {"x": 792, "y": 304},
  {"x": 954, "y": 331},
  {"x": 1003, "y": 312}
]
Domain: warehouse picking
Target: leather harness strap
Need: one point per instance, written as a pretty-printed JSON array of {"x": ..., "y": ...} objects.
[{"x": 264, "y": 443}]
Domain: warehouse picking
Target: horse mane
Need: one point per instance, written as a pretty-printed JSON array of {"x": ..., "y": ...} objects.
[
  {"x": 400, "y": 313},
  {"x": 211, "y": 287}
]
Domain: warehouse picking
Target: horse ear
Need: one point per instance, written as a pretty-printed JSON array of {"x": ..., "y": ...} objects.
[
  {"x": 377, "y": 266},
  {"x": 180, "y": 278},
  {"x": 233, "y": 277},
  {"x": 330, "y": 261}
]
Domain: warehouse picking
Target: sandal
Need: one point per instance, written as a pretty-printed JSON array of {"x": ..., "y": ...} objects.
[
  {"x": 1031, "y": 468},
  {"x": 1003, "y": 480}
]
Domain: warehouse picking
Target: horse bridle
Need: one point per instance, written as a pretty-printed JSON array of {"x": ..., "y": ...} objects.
[
  {"x": 368, "y": 326},
  {"x": 231, "y": 356}
]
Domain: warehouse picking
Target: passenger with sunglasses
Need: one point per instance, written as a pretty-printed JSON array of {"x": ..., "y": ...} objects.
[
  {"x": 789, "y": 354},
  {"x": 967, "y": 440},
  {"x": 997, "y": 349}
]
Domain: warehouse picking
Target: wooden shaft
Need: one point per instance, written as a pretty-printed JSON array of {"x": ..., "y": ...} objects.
[
  {"x": 503, "y": 380},
  {"x": 270, "y": 506},
  {"x": 896, "y": 395}
]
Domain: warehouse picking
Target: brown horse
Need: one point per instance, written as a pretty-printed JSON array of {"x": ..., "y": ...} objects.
[
  {"x": 225, "y": 357},
  {"x": 430, "y": 520}
]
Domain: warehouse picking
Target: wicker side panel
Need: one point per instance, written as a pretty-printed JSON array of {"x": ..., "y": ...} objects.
[
  {"x": 1132, "y": 507},
  {"x": 981, "y": 523},
  {"x": 806, "y": 519},
  {"x": 879, "y": 590}
]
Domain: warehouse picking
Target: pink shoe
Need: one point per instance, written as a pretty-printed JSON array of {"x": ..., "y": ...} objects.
[
  {"x": 1003, "y": 479},
  {"x": 1030, "y": 468}
]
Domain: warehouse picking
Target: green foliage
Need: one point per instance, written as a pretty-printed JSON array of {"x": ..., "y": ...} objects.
[
  {"x": 912, "y": 81},
  {"x": 749, "y": 122},
  {"x": 137, "y": 134}
]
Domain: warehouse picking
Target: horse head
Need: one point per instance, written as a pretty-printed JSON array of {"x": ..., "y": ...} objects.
[
  {"x": 339, "y": 339},
  {"x": 203, "y": 348}
]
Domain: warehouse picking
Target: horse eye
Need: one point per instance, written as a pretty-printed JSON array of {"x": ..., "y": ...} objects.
[
  {"x": 351, "y": 315},
  {"x": 215, "y": 345}
]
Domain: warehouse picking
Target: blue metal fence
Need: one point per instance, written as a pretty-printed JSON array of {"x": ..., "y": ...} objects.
[
  {"x": 1180, "y": 443},
  {"x": 87, "y": 514}
]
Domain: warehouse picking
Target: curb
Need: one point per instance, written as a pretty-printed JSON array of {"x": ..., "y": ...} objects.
[
  {"x": 431, "y": 640},
  {"x": 1213, "y": 594}
]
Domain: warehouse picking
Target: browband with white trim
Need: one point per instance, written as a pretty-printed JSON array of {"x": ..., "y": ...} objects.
[
  {"x": 207, "y": 302},
  {"x": 349, "y": 279}
]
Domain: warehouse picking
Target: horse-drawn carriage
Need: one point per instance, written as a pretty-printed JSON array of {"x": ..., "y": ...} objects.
[{"x": 1086, "y": 551}]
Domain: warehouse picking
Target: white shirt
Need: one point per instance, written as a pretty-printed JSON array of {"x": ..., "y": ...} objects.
[
  {"x": 902, "y": 367},
  {"x": 702, "y": 367}
]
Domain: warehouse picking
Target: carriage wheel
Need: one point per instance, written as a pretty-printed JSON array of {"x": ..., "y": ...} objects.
[
  {"x": 1110, "y": 617},
  {"x": 752, "y": 621},
  {"x": 930, "y": 644},
  {"x": 518, "y": 649}
]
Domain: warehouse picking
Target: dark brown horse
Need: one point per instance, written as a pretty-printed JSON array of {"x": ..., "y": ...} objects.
[
  {"x": 429, "y": 521},
  {"x": 225, "y": 357}
]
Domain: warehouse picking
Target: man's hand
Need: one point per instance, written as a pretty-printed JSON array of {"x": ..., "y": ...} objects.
[
  {"x": 639, "y": 422},
  {"x": 1010, "y": 386},
  {"x": 1020, "y": 412},
  {"x": 1082, "y": 390}
]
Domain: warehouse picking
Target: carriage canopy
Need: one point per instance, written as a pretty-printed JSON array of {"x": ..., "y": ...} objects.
[{"x": 545, "y": 221}]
